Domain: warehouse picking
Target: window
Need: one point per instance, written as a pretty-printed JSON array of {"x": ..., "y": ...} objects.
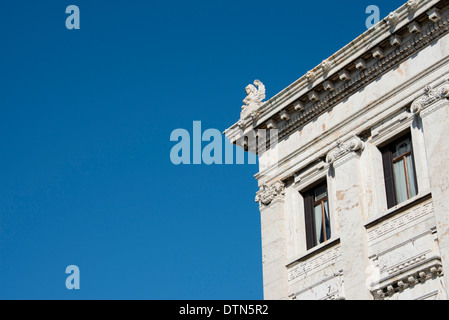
[
  {"x": 399, "y": 171},
  {"x": 316, "y": 209}
]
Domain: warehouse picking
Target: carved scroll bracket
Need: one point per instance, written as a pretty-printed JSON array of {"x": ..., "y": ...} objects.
[
  {"x": 430, "y": 96},
  {"x": 352, "y": 145},
  {"x": 267, "y": 194}
]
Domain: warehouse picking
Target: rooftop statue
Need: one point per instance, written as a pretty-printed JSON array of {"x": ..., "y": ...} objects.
[{"x": 253, "y": 100}]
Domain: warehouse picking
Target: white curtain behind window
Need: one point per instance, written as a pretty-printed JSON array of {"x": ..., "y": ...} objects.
[
  {"x": 411, "y": 176},
  {"x": 327, "y": 221},
  {"x": 400, "y": 182},
  {"x": 318, "y": 224}
]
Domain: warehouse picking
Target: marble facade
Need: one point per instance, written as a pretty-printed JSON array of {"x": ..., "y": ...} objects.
[{"x": 332, "y": 124}]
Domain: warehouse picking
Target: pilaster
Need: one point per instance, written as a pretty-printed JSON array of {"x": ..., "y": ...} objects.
[
  {"x": 434, "y": 111},
  {"x": 271, "y": 200},
  {"x": 349, "y": 209}
]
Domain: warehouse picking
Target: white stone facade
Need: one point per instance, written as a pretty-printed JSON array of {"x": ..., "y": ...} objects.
[{"x": 332, "y": 124}]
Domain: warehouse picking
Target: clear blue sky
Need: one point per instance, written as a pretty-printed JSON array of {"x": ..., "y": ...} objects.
[{"x": 85, "y": 123}]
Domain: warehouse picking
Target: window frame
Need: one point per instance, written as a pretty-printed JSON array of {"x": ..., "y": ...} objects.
[
  {"x": 309, "y": 214},
  {"x": 388, "y": 169}
]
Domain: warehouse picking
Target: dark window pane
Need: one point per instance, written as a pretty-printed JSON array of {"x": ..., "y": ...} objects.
[
  {"x": 387, "y": 157},
  {"x": 402, "y": 148},
  {"x": 309, "y": 220},
  {"x": 320, "y": 193}
]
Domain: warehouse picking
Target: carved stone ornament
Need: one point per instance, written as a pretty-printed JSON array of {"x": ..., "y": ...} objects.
[
  {"x": 353, "y": 144},
  {"x": 409, "y": 281},
  {"x": 326, "y": 65},
  {"x": 423, "y": 35},
  {"x": 310, "y": 76},
  {"x": 267, "y": 194},
  {"x": 255, "y": 94},
  {"x": 413, "y": 4},
  {"x": 392, "y": 18},
  {"x": 430, "y": 96}
]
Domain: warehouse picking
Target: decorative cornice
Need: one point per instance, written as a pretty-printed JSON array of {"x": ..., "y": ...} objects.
[
  {"x": 367, "y": 72},
  {"x": 392, "y": 19},
  {"x": 401, "y": 284},
  {"x": 430, "y": 96},
  {"x": 326, "y": 65},
  {"x": 390, "y": 60},
  {"x": 343, "y": 148},
  {"x": 267, "y": 194},
  {"x": 311, "y": 75},
  {"x": 413, "y": 4},
  {"x": 355, "y": 49}
]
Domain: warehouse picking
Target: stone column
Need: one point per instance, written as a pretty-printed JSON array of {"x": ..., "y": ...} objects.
[
  {"x": 434, "y": 111},
  {"x": 348, "y": 196},
  {"x": 271, "y": 201}
]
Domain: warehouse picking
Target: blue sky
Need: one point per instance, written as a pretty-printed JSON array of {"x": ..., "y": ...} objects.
[{"x": 85, "y": 123}]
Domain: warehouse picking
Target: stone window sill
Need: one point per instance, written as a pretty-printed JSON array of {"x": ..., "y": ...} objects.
[
  {"x": 399, "y": 208},
  {"x": 315, "y": 250}
]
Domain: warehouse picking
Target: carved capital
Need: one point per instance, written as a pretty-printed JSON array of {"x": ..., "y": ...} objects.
[
  {"x": 267, "y": 194},
  {"x": 343, "y": 148},
  {"x": 430, "y": 96}
]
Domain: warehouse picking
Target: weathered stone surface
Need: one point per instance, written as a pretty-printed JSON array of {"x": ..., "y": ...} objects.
[{"x": 334, "y": 132}]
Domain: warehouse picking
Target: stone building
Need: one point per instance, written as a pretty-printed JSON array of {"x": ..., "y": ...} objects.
[{"x": 354, "y": 186}]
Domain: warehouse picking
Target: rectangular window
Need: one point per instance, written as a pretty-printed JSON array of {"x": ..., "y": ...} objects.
[
  {"x": 316, "y": 209},
  {"x": 399, "y": 171}
]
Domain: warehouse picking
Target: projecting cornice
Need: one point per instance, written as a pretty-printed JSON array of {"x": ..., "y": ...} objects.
[{"x": 373, "y": 53}]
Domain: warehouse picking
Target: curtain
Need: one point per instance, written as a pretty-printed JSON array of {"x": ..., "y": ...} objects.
[
  {"x": 400, "y": 182},
  {"x": 327, "y": 221},
  {"x": 411, "y": 176},
  {"x": 319, "y": 232},
  {"x": 318, "y": 224}
]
